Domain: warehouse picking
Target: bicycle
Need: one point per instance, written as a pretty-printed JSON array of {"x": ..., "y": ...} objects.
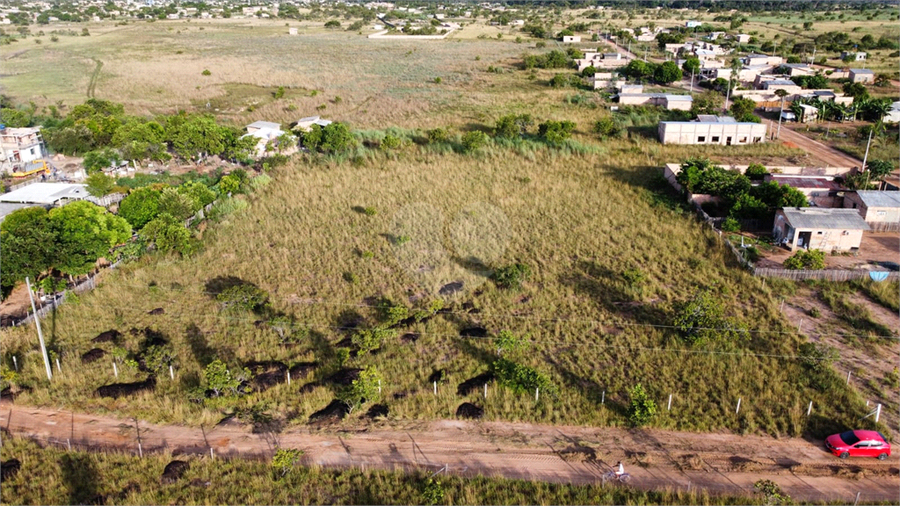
[{"x": 613, "y": 476}]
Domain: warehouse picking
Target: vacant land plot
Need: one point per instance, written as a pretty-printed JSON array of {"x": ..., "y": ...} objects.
[{"x": 612, "y": 254}]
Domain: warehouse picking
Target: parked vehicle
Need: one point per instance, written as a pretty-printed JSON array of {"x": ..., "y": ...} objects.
[{"x": 859, "y": 443}]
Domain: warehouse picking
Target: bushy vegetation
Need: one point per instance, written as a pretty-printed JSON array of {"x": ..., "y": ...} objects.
[
  {"x": 806, "y": 259},
  {"x": 740, "y": 199}
]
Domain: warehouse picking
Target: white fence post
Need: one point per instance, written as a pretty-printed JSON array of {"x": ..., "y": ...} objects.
[
  {"x": 738, "y": 409},
  {"x": 536, "y": 393},
  {"x": 809, "y": 409},
  {"x": 171, "y": 372},
  {"x": 669, "y": 407},
  {"x": 115, "y": 370},
  {"x": 877, "y": 413},
  {"x": 603, "y": 397},
  {"x": 435, "y": 388}
]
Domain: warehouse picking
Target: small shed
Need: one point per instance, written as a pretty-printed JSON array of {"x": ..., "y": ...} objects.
[
  {"x": 48, "y": 194},
  {"x": 819, "y": 229},
  {"x": 571, "y": 39},
  {"x": 880, "y": 209},
  {"x": 862, "y": 76}
]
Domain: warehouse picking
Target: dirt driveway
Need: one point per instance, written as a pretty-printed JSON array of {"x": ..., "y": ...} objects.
[
  {"x": 825, "y": 154},
  {"x": 719, "y": 463}
]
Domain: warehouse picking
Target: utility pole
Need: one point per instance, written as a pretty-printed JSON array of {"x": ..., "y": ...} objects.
[
  {"x": 37, "y": 323},
  {"x": 692, "y": 80},
  {"x": 866, "y": 157}
]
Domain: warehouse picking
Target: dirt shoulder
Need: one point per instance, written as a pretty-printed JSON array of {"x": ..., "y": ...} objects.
[
  {"x": 718, "y": 463},
  {"x": 825, "y": 154}
]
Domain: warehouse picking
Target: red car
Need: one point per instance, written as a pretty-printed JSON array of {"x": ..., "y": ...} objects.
[{"x": 859, "y": 443}]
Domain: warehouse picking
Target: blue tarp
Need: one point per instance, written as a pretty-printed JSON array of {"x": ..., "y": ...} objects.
[{"x": 878, "y": 275}]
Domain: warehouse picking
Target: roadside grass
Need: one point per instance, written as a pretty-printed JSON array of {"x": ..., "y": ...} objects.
[
  {"x": 78, "y": 477},
  {"x": 885, "y": 293},
  {"x": 580, "y": 221}
]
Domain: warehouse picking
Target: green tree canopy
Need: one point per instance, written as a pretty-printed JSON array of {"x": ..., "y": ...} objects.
[
  {"x": 85, "y": 232},
  {"x": 667, "y": 72},
  {"x": 99, "y": 184},
  {"x": 140, "y": 206},
  {"x": 27, "y": 245}
]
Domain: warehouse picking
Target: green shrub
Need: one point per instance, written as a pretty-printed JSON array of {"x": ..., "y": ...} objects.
[
  {"x": 521, "y": 378},
  {"x": 351, "y": 278},
  {"x": 437, "y": 135},
  {"x": 511, "y": 276},
  {"x": 756, "y": 172},
  {"x": 367, "y": 340},
  {"x": 473, "y": 141},
  {"x": 731, "y": 225},
  {"x": 642, "y": 407},
  {"x": 752, "y": 254},
  {"x": 244, "y": 297},
  {"x": 390, "y": 142},
  {"x": 806, "y": 260},
  {"x": 206, "y": 72}
]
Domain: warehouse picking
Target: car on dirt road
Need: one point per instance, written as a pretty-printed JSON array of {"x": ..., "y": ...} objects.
[{"x": 859, "y": 443}]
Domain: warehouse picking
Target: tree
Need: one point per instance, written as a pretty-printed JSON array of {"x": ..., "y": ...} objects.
[
  {"x": 772, "y": 491},
  {"x": 756, "y": 172},
  {"x": 175, "y": 203},
  {"x": 638, "y": 69},
  {"x": 99, "y": 184},
  {"x": 244, "y": 297},
  {"x": 742, "y": 109},
  {"x": 367, "y": 340},
  {"x": 363, "y": 389},
  {"x": 879, "y": 169},
  {"x": 691, "y": 65},
  {"x": 333, "y": 24},
  {"x": 856, "y": 90},
  {"x": 708, "y": 102},
  {"x": 473, "y": 141},
  {"x": 27, "y": 245},
  {"x": 140, "y": 206},
  {"x": 199, "y": 194},
  {"x": 697, "y": 319},
  {"x": 511, "y": 276},
  {"x": 667, "y": 72},
  {"x": 167, "y": 232},
  {"x": 672, "y": 37},
  {"x": 284, "y": 460},
  {"x": 589, "y": 71},
  {"x": 197, "y": 136},
  {"x": 221, "y": 380},
  {"x": 84, "y": 233},
  {"x": 642, "y": 407}
]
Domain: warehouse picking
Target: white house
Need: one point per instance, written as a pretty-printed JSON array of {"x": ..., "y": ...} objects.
[
  {"x": 862, "y": 76},
  {"x": 893, "y": 116},
  {"x": 858, "y": 56},
  {"x": 46, "y": 194},
  {"x": 265, "y": 132},
  {"x": 709, "y": 129},
  {"x": 571, "y": 39},
  {"x": 305, "y": 124}
]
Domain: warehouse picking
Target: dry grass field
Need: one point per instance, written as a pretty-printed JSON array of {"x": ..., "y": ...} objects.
[{"x": 580, "y": 216}]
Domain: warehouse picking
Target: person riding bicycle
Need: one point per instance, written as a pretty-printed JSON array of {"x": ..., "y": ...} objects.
[{"x": 620, "y": 469}]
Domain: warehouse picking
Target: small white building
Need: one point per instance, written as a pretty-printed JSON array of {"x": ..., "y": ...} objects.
[
  {"x": 857, "y": 56},
  {"x": 742, "y": 38},
  {"x": 816, "y": 228},
  {"x": 292, "y": 31},
  {"x": 893, "y": 115},
  {"x": 862, "y": 76},
  {"x": 571, "y": 39},
  {"x": 692, "y": 24},
  {"x": 19, "y": 147},
  {"x": 709, "y": 129},
  {"x": 880, "y": 209},
  {"x": 265, "y": 132}
]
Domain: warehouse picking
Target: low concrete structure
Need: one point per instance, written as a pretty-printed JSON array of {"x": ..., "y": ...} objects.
[
  {"x": 893, "y": 115},
  {"x": 781, "y": 84},
  {"x": 601, "y": 80},
  {"x": 742, "y": 38},
  {"x": 819, "y": 229},
  {"x": 670, "y": 102},
  {"x": 708, "y": 129},
  {"x": 265, "y": 132},
  {"x": 762, "y": 59},
  {"x": 857, "y": 56},
  {"x": 571, "y": 39},
  {"x": 880, "y": 209},
  {"x": 796, "y": 69},
  {"x": 862, "y": 76}
]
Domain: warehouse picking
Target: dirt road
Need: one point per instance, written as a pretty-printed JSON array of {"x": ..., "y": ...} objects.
[
  {"x": 826, "y": 154},
  {"x": 719, "y": 463}
]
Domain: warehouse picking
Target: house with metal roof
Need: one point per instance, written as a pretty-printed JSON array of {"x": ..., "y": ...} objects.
[
  {"x": 862, "y": 76},
  {"x": 305, "y": 124},
  {"x": 670, "y": 102},
  {"x": 880, "y": 209},
  {"x": 816, "y": 228},
  {"x": 46, "y": 194}
]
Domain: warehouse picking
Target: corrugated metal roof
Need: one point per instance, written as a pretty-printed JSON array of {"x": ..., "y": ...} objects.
[
  {"x": 873, "y": 198},
  {"x": 45, "y": 193},
  {"x": 817, "y": 218},
  {"x": 862, "y": 71}
]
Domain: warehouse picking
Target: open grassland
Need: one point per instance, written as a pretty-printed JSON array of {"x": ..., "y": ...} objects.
[
  {"x": 580, "y": 221},
  {"x": 113, "y": 478},
  {"x": 585, "y": 217}
]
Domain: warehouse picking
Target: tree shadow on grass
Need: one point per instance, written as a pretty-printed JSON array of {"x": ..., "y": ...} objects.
[
  {"x": 80, "y": 476},
  {"x": 610, "y": 290},
  {"x": 200, "y": 348}
]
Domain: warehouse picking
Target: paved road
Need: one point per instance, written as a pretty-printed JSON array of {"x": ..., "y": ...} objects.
[{"x": 719, "y": 463}]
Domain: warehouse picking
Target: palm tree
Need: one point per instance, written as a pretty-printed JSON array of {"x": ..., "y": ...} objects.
[
  {"x": 736, "y": 67},
  {"x": 782, "y": 94},
  {"x": 797, "y": 110}
]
